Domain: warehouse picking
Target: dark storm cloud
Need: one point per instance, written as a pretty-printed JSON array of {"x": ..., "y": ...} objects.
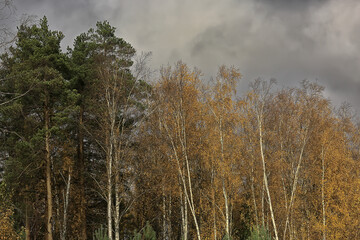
[
  {"x": 290, "y": 40},
  {"x": 292, "y": 4},
  {"x": 72, "y": 17},
  {"x": 316, "y": 42}
]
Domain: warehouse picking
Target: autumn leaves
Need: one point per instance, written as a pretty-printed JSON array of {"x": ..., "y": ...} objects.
[{"x": 285, "y": 155}]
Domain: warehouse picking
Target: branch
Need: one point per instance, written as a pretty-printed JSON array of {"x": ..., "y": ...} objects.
[{"x": 17, "y": 97}]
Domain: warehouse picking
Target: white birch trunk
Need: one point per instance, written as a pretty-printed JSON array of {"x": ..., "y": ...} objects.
[
  {"x": 66, "y": 205},
  {"x": 227, "y": 218},
  {"x": 213, "y": 201},
  {"x": 293, "y": 190},
  {"x": 169, "y": 219},
  {"x": 265, "y": 176},
  {"x": 110, "y": 96},
  {"x": 183, "y": 141},
  {"x": 117, "y": 208},
  {"x": 323, "y": 192},
  {"x": 263, "y": 204},
  {"x": 226, "y": 203},
  {"x": 117, "y": 189},
  {"x": 253, "y": 197},
  {"x": 164, "y": 213},
  {"x": 109, "y": 199},
  {"x": 185, "y": 177},
  {"x": 184, "y": 217},
  {"x": 109, "y": 176}
]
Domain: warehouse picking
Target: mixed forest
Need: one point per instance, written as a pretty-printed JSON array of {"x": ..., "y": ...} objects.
[{"x": 93, "y": 146}]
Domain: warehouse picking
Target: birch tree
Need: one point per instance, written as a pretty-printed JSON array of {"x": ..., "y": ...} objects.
[
  {"x": 223, "y": 119},
  {"x": 113, "y": 57},
  {"x": 179, "y": 116},
  {"x": 261, "y": 95}
]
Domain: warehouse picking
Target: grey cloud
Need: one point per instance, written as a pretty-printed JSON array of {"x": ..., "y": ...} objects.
[
  {"x": 290, "y": 46},
  {"x": 70, "y": 17},
  {"x": 291, "y": 4},
  {"x": 290, "y": 40}
]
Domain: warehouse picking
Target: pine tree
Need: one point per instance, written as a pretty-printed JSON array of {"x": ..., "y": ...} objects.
[{"x": 35, "y": 121}]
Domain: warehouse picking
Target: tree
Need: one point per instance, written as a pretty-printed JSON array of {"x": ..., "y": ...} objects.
[
  {"x": 83, "y": 80},
  {"x": 36, "y": 63},
  {"x": 261, "y": 94},
  {"x": 221, "y": 127},
  {"x": 118, "y": 109},
  {"x": 179, "y": 114}
]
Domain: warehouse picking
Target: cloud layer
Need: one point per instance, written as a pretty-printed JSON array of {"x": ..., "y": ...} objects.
[{"x": 289, "y": 40}]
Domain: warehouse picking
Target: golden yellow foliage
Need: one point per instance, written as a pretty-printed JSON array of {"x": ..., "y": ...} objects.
[{"x": 7, "y": 231}]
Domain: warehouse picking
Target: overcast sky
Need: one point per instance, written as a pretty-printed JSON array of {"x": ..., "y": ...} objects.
[{"x": 289, "y": 40}]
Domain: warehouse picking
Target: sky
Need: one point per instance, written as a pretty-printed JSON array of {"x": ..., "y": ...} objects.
[{"x": 289, "y": 40}]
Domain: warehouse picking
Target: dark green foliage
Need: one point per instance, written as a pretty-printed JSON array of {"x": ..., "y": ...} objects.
[
  {"x": 100, "y": 234},
  {"x": 260, "y": 233},
  {"x": 227, "y": 237},
  {"x": 101, "y": 61},
  {"x": 137, "y": 236},
  {"x": 147, "y": 233},
  {"x": 35, "y": 74}
]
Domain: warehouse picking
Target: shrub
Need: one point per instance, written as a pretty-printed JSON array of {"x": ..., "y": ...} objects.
[
  {"x": 148, "y": 233},
  {"x": 101, "y": 234},
  {"x": 259, "y": 233}
]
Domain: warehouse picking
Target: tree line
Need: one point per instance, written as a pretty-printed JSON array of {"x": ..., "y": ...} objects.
[{"x": 94, "y": 148}]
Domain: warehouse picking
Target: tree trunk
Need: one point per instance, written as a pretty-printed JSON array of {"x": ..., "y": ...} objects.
[
  {"x": 253, "y": 197},
  {"x": 169, "y": 218},
  {"x": 81, "y": 171},
  {"x": 265, "y": 177},
  {"x": 111, "y": 158},
  {"x": 263, "y": 204},
  {"x": 184, "y": 173},
  {"x": 293, "y": 190},
  {"x": 49, "y": 204},
  {"x": 322, "y": 192},
  {"x": 226, "y": 201},
  {"x": 27, "y": 223},
  {"x": 117, "y": 157},
  {"x": 184, "y": 219},
  {"x": 66, "y": 205},
  {"x": 227, "y": 218},
  {"x": 213, "y": 201},
  {"x": 191, "y": 200},
  {"x": 286, "y": 207},
  {"x": 109, "y": 188},
  {"x": 117, "y": 200},
  {"x": 164, "y": 213}
]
